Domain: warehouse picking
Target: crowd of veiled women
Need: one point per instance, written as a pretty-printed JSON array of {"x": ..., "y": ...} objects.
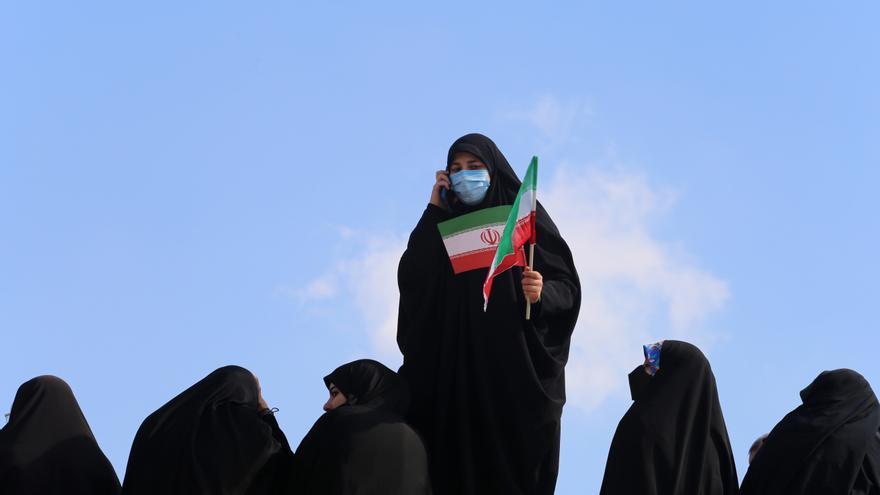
[
  {"x": 219, "y": 437},
  {"x": 475, "y": 409}
]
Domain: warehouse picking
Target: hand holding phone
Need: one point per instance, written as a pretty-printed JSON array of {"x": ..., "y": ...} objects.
[{"x": 440, "y": 190}]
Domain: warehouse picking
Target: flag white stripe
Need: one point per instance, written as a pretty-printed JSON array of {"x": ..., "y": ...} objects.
[
  {"x": 527, "y": 204},
  {"x": 470, "y": 240}
]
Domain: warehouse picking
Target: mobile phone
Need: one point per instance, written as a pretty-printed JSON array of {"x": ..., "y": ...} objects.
[{"x": 446, "y": 195}]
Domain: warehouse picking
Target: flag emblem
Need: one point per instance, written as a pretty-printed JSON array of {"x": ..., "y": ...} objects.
[{"x": 490, "y": 237}]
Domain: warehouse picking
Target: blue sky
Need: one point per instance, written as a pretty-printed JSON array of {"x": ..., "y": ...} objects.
[{"x": 188, "y": 186}]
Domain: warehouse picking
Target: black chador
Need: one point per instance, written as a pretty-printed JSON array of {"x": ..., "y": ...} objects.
[
  {"x": 363, "y": 447},
  {"x": 672, "y": 440},
  {"x": 488, "y": 387},
  {"x": 47, "y": 447},
  {"x": 828, "y": 445},
  {"x": 209, "y": 440}
]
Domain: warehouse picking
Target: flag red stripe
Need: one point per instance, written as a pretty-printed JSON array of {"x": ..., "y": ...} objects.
[
  {"x": 516, "y": 258},
  {"x": 473, "y": 261},
  {"x": 533, "y": 221},
  {"x": 522, "y": 233}
]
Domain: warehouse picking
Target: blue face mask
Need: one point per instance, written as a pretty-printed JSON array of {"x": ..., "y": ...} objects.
[{"x": 470, "y": 185}]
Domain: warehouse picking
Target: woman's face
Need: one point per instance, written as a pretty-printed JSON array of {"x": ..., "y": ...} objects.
[
  {"x": 337, "y": 398},
  {"x": 466, "y": 161}
]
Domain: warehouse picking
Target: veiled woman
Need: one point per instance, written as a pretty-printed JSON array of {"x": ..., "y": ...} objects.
[
  {"x": 362, "y": 445},
  {"x": 217, "y": 437},
  {"x": 672, "y": 440},
  {"x": 47, "y": 447},
  {"x": 828, "y": 445},
  {"x": 488, "y": 386}
]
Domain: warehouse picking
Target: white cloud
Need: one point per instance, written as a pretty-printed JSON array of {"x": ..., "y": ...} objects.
[
  {"x": 554, "y": 119},
  {"x": 635, "y": 289},
  {"x": 324, "y": 287},
  {"x": 366, "y": 283},
  {"x": 371, "y": 281}
]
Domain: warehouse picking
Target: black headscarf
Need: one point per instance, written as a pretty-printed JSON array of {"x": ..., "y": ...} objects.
[
  {"x": 488, "y": 387},
  {"x": 672, "y": 440},
  {"x": 363, "y": 447},
  {"x": 210, "y": 439},
  {"x": 369, "y": 383},
  {"x": 828, "y": 445},
  {"x": 47, "y": 447}
]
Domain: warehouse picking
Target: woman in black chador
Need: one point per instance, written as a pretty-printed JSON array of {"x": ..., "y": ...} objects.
[
  {"x": 488, "y": 387},
  {"x": 215, "y": 438},
  {"x": 672, "y": 440},
  {"x": 828, "y": 445},
  {"x": 362, "y": 445},
  {"x": 47, "y": 448}
]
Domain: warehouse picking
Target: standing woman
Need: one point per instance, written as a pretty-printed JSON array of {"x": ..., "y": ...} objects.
[
  {"x": 827, "y": 445},
  {"x": 488, "y": 387},
  {"x": 672, "y": 440},
  {"x": 47, "y": 447}
]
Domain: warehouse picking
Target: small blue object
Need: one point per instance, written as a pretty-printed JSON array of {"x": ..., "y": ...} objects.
[{"x": 652, "y": 357}]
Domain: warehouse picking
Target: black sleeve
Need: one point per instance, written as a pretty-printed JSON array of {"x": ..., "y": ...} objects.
[
  {"x": 557, "y": 296},
  {"x": 275, "y": 476},
  {"x": 424, "y": 245},
  {"x": 279, "y": 436},
  {"x": 419, "y": 266},
  {"x": 560, "y": 294}
]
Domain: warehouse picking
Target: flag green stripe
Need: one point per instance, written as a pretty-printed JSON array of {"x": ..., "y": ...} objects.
[
  {"x": 494, "y": 215},
  {"x": 530, "y": 181}
]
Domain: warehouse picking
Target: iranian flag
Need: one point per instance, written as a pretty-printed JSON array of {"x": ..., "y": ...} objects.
[
  {"x": 471, "y": 239},
  {"x": 519, "y": 229}
]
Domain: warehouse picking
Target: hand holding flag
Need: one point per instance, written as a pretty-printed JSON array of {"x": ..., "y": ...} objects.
[{"x": 532, "y": 284}]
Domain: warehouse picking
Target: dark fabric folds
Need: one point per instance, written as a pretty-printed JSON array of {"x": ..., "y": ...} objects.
[
  {"x": 672, "y": 440},
  {"x": 488, "y": 387},
  {"x": 828, "y": 445},
  {"x": 363, "y": 447},
  {"x": 210, "y": 439},
  {"x": 47, "y": 447}
]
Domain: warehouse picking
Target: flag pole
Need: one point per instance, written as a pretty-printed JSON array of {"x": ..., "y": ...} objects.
[
  {"x": 531, "y": 266},
  {"x": 534, "y": 241}
]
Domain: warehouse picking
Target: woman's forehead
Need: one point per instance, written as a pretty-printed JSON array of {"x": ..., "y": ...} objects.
[{"x": 464, "y": 156}]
